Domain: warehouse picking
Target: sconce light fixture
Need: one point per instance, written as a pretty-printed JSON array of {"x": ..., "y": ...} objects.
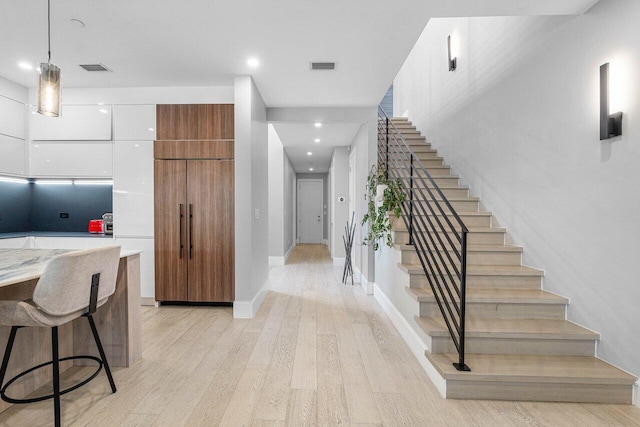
[
  {"x": 453, "y": 62},
  {"x": 610, "y": 124}
]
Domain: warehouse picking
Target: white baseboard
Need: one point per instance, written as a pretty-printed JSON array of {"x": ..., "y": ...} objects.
[
  {"x": 366, "y": 285},
  {"x": 286, "y": 256},
  {"x": 338, "y": 261},
  {"x": 325, "y": 242},
  {"x": 148, "y": 301},
  {"x": 276, "y": 260},
  {"x": 248, "y": 309},
  {"x": 411, "y": 338}
]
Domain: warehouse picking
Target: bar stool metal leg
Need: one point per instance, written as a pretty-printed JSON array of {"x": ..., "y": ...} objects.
[
  {"x": 102, "y": 355},
  {"x": 7, "y": 354},
  {"x": 56, "y": 375}
]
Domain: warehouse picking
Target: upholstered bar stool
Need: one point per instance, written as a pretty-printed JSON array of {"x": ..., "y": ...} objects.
[{"x": 72, "y": 285}]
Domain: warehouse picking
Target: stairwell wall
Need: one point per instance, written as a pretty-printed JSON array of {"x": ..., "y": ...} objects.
[{"x": 518, "y": 120}]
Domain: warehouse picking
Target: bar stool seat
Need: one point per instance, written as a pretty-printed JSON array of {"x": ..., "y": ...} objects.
[
  {"x": 72, "y": 285},
  {"x": 27, "y": 313}
]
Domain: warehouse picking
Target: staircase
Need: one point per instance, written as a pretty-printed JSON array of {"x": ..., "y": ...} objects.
[{"x": 518, "y": 342}]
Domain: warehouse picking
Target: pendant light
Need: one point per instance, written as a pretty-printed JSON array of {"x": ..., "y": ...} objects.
[{"x": 49, "y": 80}]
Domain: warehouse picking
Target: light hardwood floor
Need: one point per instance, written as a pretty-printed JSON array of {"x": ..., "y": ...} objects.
[{"x": 318, "y": 353}]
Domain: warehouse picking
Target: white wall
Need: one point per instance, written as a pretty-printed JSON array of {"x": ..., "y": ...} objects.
[
  {"x": 340, "y": 209},
  {"x": 289, "y": 208},
  {"x": 251, "y": 193},
  {"x": 13, "y": 97},
  {"x": 518, "y": 120},
  {"x": 282, "y": 182},
  {"x": 276, "y": 198}
]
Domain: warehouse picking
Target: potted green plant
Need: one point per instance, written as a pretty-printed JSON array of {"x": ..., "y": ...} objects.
[{"x": 384, "y": 195}]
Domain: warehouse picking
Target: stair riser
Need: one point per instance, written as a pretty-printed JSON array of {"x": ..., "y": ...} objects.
[
  {"x": 426, "y": 155},
  {"x": 402, "y": 237},
  {"x": 419, "y": 146},
  {"x": 530, "y": 346},
  {"x": 486, "y": 282},
  {"x": 473, "y": 258},
  {"x": 469, "y": 205},
  {"x": 433, "y": 171},
  {"x": 469, "y": 221},
  {"x": 540, "y": 392},
  {"x": 500, "y": 311}
]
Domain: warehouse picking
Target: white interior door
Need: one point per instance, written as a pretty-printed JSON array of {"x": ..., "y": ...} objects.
[{"x": 310, "y": 195}]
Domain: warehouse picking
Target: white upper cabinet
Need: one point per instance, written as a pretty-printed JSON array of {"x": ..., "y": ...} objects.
[
  {"x": 76, "y": 123},
  {"x": 88, "y": 159},
  {"x": 134, "y": 122},
  {"x": 12, "y": 118},
  {"x": 133, "y": 189},
  {"x": 12, "y": 158}
]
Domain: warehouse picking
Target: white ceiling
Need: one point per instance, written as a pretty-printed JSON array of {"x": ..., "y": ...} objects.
[
  {"x": 207, "y": 42},
  {"x": 298, "y": 140}
]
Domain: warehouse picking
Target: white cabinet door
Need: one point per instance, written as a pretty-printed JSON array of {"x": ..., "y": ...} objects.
[
  {"x": 12, "y": 118},
  {"x": 72, "y": 242},
  {"x": 76, "y": 123},
  {"x": 12, "y": 158},
  {"x": 16, "y": 243},
  {"x": 147, "y": 263},
  {"x": 134, "y": 122},
  {"x": 71, "y": 159},
  {"x": 133, "y": 189}
]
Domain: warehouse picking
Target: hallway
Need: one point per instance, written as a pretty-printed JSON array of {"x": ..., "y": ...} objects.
[{"x": 318, "y": 353}]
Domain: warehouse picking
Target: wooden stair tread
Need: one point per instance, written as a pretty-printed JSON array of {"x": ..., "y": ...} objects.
[
  {"x": 464, "y": 213},
  {"x": 556, "y": 329},
  {"x": 523, "y": 368},
  {"x": 471, "y": 248},
  {"x": 515, "y": 296},
  {"x": 471, "y": 229},
  {"x": 483, "y": 270}
]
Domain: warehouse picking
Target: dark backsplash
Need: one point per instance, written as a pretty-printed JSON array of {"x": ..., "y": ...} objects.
[
  {"x": 38, "y": 207},
  {"x": 15, "y": 207}
]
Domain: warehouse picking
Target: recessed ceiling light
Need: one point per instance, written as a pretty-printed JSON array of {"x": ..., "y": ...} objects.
[
  {"x": 309, "y": 153},
  {"x": 318, "y": 124},
  {"x": 100, "y": 103},
  {"x": 103, "y": 111},
  {"x": 310, "y": 169},
  {"x": 253, "y": 62},
  {"x": 151, "y": 129},
  {"x": 25, "y": 66},
  {"x": 316, "y": 140}
]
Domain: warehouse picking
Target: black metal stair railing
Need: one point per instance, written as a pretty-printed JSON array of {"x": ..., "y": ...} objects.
[{"x": 435, "y": 229}]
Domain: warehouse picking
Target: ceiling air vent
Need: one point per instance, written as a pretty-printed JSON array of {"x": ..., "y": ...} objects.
[
  {"x": 323, "y": 65},
  {"x": 94, "y": 67}
]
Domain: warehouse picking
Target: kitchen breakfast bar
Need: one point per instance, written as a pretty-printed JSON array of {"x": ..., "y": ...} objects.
[{"x": 118, "y": 321}]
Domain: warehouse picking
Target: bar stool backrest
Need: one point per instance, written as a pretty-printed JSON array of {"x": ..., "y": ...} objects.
[{"x": 65, "y": 285}]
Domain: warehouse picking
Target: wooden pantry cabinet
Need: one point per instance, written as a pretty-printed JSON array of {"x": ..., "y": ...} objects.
[{"x": 194, "y": 204}]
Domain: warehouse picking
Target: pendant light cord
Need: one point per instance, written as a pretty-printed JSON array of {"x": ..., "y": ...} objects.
[{"x": 49, "y": 27}]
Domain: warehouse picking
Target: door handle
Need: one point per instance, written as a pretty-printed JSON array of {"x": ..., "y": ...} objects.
[
  {"x": 190, "y": 231},
  {"x": 180, "y": 228}
]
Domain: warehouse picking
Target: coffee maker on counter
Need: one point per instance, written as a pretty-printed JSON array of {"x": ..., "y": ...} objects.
[{"x": 108, "y": 223}]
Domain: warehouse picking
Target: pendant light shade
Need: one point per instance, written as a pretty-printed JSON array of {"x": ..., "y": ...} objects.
[
  {"x": 49, "y": 90},
  {"x": 49, "y": 80}
]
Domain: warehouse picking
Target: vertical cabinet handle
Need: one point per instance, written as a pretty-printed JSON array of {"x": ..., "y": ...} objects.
[
  {"x": 180, "y": 228},
  {"x": 190, "y": 231}
]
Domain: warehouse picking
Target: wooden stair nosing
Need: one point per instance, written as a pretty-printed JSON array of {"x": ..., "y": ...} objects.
[
  {"x": 534, "y": 368},
  {"x": 521, "y": 271},
  {"x": 496, "y": 328},
  {"x": 491, "y": 296}
]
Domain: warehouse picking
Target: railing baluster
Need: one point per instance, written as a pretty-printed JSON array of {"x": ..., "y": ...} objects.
[{"x": 424, "y": 234}]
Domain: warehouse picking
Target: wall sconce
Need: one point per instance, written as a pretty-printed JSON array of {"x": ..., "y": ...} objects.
[
  {"x": 610, "y": 124},
  {"x": 453, "y": 62}
]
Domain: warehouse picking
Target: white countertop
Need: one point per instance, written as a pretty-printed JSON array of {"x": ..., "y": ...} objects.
[{"x": 21, "y": 265}]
